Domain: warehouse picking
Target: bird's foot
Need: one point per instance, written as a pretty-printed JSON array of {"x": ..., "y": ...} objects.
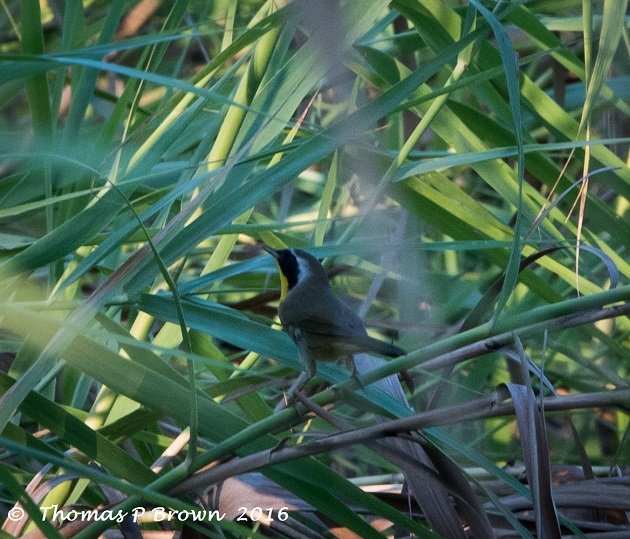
[{"x": 295, "y": 388}]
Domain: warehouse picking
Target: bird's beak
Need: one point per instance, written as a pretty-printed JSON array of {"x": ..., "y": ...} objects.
[{"x": 271, "y": 251}]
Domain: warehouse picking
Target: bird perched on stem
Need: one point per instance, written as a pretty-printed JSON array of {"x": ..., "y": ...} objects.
[{"x": 321, "y": 325}]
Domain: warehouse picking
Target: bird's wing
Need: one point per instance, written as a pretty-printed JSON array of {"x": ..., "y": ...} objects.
[
  {"x": 340, "y": 327},
  {"x": 326, "y": 315}
]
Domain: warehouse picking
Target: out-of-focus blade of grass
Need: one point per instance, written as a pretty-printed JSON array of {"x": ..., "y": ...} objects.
[
  {"x": 84, "y": 313},
  {"x": 138, "y": 351},
  {"x": 18, "y": 66},
  {"x": 545, "y": 39},
  {"x": 555, "y": 121},
  {"x": 84, "y": 80},
  {"x": 68, "y": 236},
  {"x": 140, "y": 384},
  {"x": 253, "y": 405},
  {"x": 558, "y": 121},
  {"x": 532, "y": 318},
  {"x": 78, "y": 230},
  {"x": 116, "y": 238},
  {"x": 31, "y": 507},
  {"x": 37, "y": 86},
  {"x": 72, "y": 26},
  {"x": 228, "y": 202},
  {"x": 610, "y": 36},
  {"x": 181, "y": 104},
  {"x": 603, "y": 215},
  {"x": 268, "y": 46},
  {"x": 155, "y": 78},
  {"x": 147, "y": 387},
  {"x": 246, "y": 88},
  {"x": 100, "y": 477},
  {"x": 460, "y": 216},
  {"x": 439, "y": 164},
  {"x": 75, "y": 433},
  {"x": 304, "y": 71},
  {"x": 326, "y": 200},
  {"x": 225, "y": 324},
  {"x": 166, "y": 133},
  {"x": 536, "y": 456},
  {"x": 460, "y": 136},
  {"x": 169, "y": 138}
]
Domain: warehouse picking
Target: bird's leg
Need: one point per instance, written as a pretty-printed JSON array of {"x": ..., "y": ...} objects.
[
  {"x": 308, "y": 361},
  {"x": 299, "y": 383},
  {"x": 296, "y": 388},
  {"x": 302, "y": 380}
]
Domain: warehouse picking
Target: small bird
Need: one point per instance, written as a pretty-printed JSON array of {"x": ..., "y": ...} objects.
[{"x": 320, "y": 324}]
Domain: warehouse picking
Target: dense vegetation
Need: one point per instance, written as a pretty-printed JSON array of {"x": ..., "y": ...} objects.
[{"x": 461, "y": 168}]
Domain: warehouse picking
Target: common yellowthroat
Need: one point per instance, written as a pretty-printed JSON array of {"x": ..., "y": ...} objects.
[{"x": 320, "y": 324}]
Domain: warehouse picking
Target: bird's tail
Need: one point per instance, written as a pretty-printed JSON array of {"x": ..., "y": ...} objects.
[
  {"x": 385, "y": 349},
  {"x": 382, "y": 348}
]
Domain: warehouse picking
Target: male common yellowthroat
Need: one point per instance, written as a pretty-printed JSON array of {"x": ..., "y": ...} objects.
[{"x": 320, "y": 324}]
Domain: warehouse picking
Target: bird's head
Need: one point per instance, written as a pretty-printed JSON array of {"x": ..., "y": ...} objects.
[{"x": 297, "y": 267}]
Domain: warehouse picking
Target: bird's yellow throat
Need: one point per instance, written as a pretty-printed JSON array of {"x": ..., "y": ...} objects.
[{"x": 284, "y": 283}]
